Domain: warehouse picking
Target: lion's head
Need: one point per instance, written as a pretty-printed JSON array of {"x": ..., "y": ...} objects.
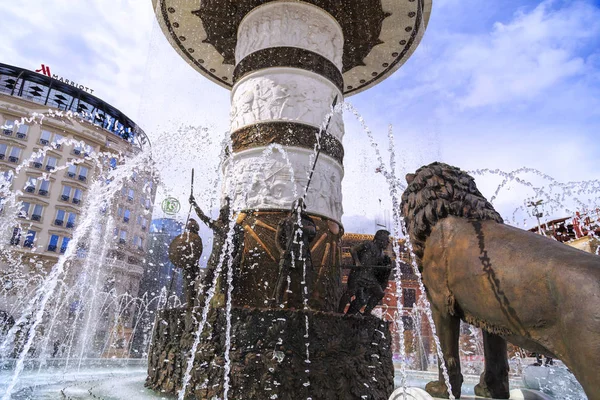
[{"x": 436, "y": 191}]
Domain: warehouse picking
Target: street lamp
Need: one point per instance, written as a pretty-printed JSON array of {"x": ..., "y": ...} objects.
[{"x": 537, "y": 213}]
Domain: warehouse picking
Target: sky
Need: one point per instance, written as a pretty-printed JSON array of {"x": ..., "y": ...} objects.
[{"x": 500, "y": 84}]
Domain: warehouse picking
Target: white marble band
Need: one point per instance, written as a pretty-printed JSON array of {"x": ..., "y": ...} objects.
[
  {"x": 295, "y": 24},
  {"x": 285, "y": 94},
  {"x": 261, "y": 179}
]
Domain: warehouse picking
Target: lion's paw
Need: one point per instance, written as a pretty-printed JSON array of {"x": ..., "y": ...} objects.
[{"x": 482, "y": 390}]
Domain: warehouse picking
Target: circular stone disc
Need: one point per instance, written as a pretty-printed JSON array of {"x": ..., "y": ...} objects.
[{"x": 379, "y": 35}]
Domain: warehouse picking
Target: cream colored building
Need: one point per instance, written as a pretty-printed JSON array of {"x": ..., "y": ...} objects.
[{"x": 51, "y": 208}]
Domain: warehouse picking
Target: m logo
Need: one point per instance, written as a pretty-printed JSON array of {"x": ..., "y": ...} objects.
[{"x": 44, "y": 70}]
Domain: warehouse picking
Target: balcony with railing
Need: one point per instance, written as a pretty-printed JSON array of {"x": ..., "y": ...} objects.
[
  {"x": 13, "y": 159},
  {"x": 43, "y": 192},
  {"x": 52, "y": 247},
  {"x": 58, "y": 222},
  {"x": 70, "y": 225},
  {"x": 36, "y": 217},
  {"x": 64, "y": 197},
  {"x": 7, "y": 132},
  {"x": 76, "y": 201}
]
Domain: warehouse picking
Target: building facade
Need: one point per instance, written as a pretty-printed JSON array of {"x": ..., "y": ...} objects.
[{"x": 53, "y": 137}]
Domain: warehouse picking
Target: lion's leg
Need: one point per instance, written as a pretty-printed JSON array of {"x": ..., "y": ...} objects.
[
  {"x": 493, "y": 382},
  {"x": 448, "y": 330}
]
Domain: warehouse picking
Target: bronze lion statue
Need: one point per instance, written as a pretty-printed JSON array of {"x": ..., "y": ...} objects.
[{"x": 515, "y": 285}]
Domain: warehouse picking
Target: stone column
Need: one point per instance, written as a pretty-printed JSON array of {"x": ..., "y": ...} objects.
[{"x": 287, "y": 75}]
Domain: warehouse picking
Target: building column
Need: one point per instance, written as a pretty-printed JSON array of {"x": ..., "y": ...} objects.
[{"x": 287, "y": 75}]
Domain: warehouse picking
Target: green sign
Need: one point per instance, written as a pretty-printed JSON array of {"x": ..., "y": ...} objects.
[{"x": 171, "y": 205}]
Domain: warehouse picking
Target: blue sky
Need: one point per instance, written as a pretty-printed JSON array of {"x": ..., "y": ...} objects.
[{"x": 494, "y": 84}]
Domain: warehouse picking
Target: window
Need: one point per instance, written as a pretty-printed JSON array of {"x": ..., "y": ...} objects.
[
  {"x": 120, "y": 211},
  {"x": 144, "y": 224},
  {"x": 60, "y": 217},
  {"x": 78, "y": 149},
  {"x": 3, "y": 150},
  {"x": 53, "y": 243},
  {"x": 71, "y": 220},
  {"x": 134, "y": 176},
  {"x": 409, "y": 297},
  {"x": 22, "y": 131},
  {"x": 139, "y": 220},
  {"x": 44, "y": 187},
  {"x": 24, "y": 212},
  {"x": 123, "y": 237},
  {"x": 130, "y": 195},
  {"x": 81, "y": 252},
  {"x": 45, "y": 137},
  {"x": 66, "y": 193},
  {"x": 65, "y": 243},
  {"x": 29, "y": 239},
  {"x": 7, "y": 127},
  {"x": 126, "y": 216},
  {"x": 57, "y": 141},
  {"x": 16, "y": 236},
  {"x": 87, "y": 150},
  {"x": 83, "y": 173},
  {"x": 38, "y": 211},
  {"x": 38, "y": 160},
  {"x": 15, "y": 153},
  {"x": 51, "y": 163},
  {"x": 77, "y": 196},
  {"x": 113, "y": 163},
  {"x": 147, "y": 204},
  {"x": 30, "y": 184},
  {"x": 6, "y": 178},
  {"x": 124, "y": 190},
  {"x": 72, "y": 171},
  {"x": 408, "y": 323}
]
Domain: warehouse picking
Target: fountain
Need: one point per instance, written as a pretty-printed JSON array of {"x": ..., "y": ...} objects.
[
  {"x": 288, "y": 64},
  {"x": 257, "y": 329}
]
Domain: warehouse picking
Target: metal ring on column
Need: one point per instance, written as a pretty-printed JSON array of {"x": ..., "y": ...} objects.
[
  {"x": 266, "y": 133},
  {"x": 293, "y": 57}
]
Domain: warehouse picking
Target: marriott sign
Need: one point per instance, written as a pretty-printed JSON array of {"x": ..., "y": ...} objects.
[{"x": 45, "y": 69}]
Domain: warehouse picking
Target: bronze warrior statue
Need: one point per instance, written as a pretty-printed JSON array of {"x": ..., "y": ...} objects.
[
  {"x": 293, "y": 237},
  {"x": 517, "y": 286},
  {"x": 368, "y": 279},
  {"x": 185, "y": 252},
  {"x": 220, "y": 228}
]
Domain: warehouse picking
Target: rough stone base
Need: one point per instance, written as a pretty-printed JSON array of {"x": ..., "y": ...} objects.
[{"x": 350, "y": 357}]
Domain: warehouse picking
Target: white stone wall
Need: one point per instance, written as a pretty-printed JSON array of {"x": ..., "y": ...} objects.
[
  {"x": 261, "y": 179},
  {"x": 285, "y": 94}
]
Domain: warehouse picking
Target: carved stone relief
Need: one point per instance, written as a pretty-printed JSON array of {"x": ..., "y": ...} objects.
[
  {"x": 280, "y": 94},
  {"x": 292, "y": 24},
  {"x": 255, "y": 181}
]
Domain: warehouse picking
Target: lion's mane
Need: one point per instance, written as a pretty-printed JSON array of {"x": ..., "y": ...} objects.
[{"x": 436, "y": 191}]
